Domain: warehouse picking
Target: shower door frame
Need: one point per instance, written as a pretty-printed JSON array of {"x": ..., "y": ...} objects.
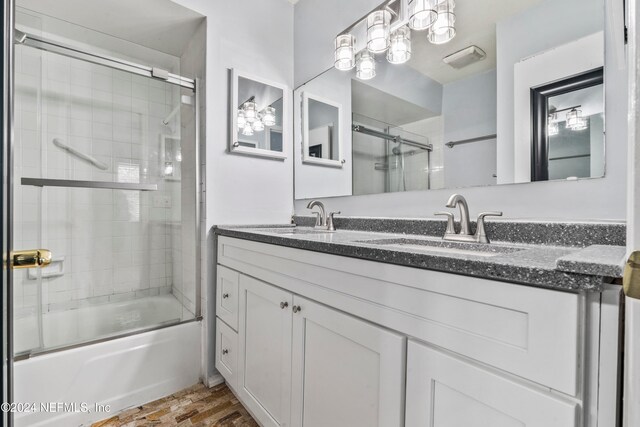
[
  {"x": 19, "y": 37},
  {"x": 6, "y": 317}
]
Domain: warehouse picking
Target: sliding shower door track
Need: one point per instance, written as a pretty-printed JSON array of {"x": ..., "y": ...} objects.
[
  {"x": 108, "y": 61},
  {"x": 30, "y": 354}
]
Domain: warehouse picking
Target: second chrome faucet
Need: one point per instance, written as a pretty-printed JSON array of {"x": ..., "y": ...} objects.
[{"x": 465, "y": 235}]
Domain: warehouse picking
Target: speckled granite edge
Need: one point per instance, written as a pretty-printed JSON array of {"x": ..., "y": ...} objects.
[
  {"x": 531, "y": 276},
  {"x": 580, "y": 234},
  {"x": 599, "y": 260}
]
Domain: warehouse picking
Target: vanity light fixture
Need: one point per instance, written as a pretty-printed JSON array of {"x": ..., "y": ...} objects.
[
  {"x": 250, "y": 113},
  {"x": 575, "y": 121},
  {"x": 552, "y": 125},
  {"x": 269, "y": 116},
  {"x": 257, "y": 126},
  {"x": 345, "y": 53},
  {"x": 400, "y": 48},
  {"x": 443, "y": 30},
  {"x": 241, "y": 120},
  {"x": 422, "y": 14},
  {"x": 365, "y": 65},
  {"x": 247, "y": 130},
  {"x": 378, "y": 30}
]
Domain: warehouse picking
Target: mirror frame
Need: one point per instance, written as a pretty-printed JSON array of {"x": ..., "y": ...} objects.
[
  {"x": 234, "y": 146},
  {"x": 306, "y": 158},
  {"x": 539, "y": 114}
]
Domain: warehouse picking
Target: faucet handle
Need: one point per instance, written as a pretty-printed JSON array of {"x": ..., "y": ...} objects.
[
  {"x": 330, "y": 225},
  {"x": 481, "y": 235},
  {"x": 450, "y": 226},
  {"x": 492, "y": 213}
]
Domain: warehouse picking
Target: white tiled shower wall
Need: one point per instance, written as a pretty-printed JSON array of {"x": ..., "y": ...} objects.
[{"x": 116, "y": 244}]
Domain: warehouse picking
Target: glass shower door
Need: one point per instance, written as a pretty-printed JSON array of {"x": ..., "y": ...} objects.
[{"x": 104, "y": 177}]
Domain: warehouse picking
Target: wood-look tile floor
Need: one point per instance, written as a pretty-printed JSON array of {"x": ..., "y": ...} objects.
[{"x": 197, "y": 406}]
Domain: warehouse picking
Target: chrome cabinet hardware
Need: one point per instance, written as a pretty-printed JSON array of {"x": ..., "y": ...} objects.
[
  {"x": 465, "y": 235},
  {"x": 225, "y": 296},
  {"x": 297, "y": 309},
  {"x": 225, "y": 351},
  {"x": 284, "y": 305}
]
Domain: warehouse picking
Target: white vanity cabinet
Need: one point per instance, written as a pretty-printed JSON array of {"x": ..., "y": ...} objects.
[
  {"x": 327, "y": 340},
  {"x": 446, "y": 391},
  {"x": 303, "y": 364}
]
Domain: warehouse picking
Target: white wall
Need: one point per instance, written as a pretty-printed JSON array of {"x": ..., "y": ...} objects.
[
  {"x": 585, "y": 199},
  {"x": 469, "y": 110},
  {"x": 254, "y": 36},
  {"x": 549, "y": 19}
]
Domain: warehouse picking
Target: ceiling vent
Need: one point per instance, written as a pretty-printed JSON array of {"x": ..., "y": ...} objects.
[{"x": 464, "y": 57}]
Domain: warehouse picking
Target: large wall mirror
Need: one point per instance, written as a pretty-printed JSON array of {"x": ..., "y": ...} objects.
[{"x": 435, "y": 94}]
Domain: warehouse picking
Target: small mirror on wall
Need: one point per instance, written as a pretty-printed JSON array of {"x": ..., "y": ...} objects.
[
  {"x": 321, "y": 129},
  {"x": 259, "y": 116},
  {"x": 568, "y": 128}
]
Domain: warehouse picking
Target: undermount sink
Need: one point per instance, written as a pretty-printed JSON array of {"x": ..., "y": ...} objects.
[
  {"x": 294, "y": 231},
  {"x": 458, "y": 248}
]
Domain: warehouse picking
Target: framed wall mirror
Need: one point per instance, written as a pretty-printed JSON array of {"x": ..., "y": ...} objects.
[
  {"x": 321, "y": 129},
  {"x": 440, "y": 97},
  {"x": 259, "y": 113},
  {"x": 568, "y": 134}
]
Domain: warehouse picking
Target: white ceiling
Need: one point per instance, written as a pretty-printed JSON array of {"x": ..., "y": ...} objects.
[
  {"x": 475, "y": 25},
  {"x": 157, "y": 24}
]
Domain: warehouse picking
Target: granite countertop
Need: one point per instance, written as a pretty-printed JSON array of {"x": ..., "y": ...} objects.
[{"x": 571, "y": 268}]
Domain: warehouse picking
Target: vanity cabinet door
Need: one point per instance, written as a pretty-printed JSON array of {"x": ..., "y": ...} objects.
[
  {"x": 445, "y": 391},
  {"x": 264, "y": 368},
  {"x": 346, "y": 371}
]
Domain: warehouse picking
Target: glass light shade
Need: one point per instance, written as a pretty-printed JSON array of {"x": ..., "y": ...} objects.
[
  {"x": 400, "y": 47},
  {"x": 345, "y": 54},
  {"x": 422, "y": 14},
  {"x": 574, "y": 119},
  {"x": 269, "y": 116},
  {"x": 443, "y": 30},
  {"x": 250, "y": 113},
  {"x": 241, "y": 119},
  {"x": 581, "y": 124},
  {"x": 247, "y": 130},
  {"x": 553, "y": 128},
  {"x": 378, "y": 31},
  {"x": 168, "y": 168},
  {"x": 257, "y": 126},
  {"x": 365, "y": 66}
]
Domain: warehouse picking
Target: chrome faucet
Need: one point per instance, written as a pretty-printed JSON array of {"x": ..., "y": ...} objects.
[
  {"x": 322, "y": 219},
  {"x": 465, "y": 234}
]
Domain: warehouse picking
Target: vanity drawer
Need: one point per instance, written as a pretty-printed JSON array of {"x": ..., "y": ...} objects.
[
  {"x": 227, "y": 288},
  {"x": 226, "y": 352}
]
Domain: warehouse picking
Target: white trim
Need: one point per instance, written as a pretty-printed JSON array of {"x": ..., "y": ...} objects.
[
  {"x": 233, "y": 118},
  {"x": 306, "y": 96}
]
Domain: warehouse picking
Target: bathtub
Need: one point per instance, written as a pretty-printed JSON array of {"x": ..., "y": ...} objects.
[{"x": 88, "y": 383}]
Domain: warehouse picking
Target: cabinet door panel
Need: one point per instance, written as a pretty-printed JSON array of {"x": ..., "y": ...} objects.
[
  {"x": 346, "y": 372},
  {"x": 265, "y": 348},
  {"x": 444, "y": 391}
]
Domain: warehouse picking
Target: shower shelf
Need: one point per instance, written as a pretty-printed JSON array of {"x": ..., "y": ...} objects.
[{"x": 43, "y": 182}]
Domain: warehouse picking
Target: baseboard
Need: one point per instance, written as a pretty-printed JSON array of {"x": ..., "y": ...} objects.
[{"x": 214, "y": 380}]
